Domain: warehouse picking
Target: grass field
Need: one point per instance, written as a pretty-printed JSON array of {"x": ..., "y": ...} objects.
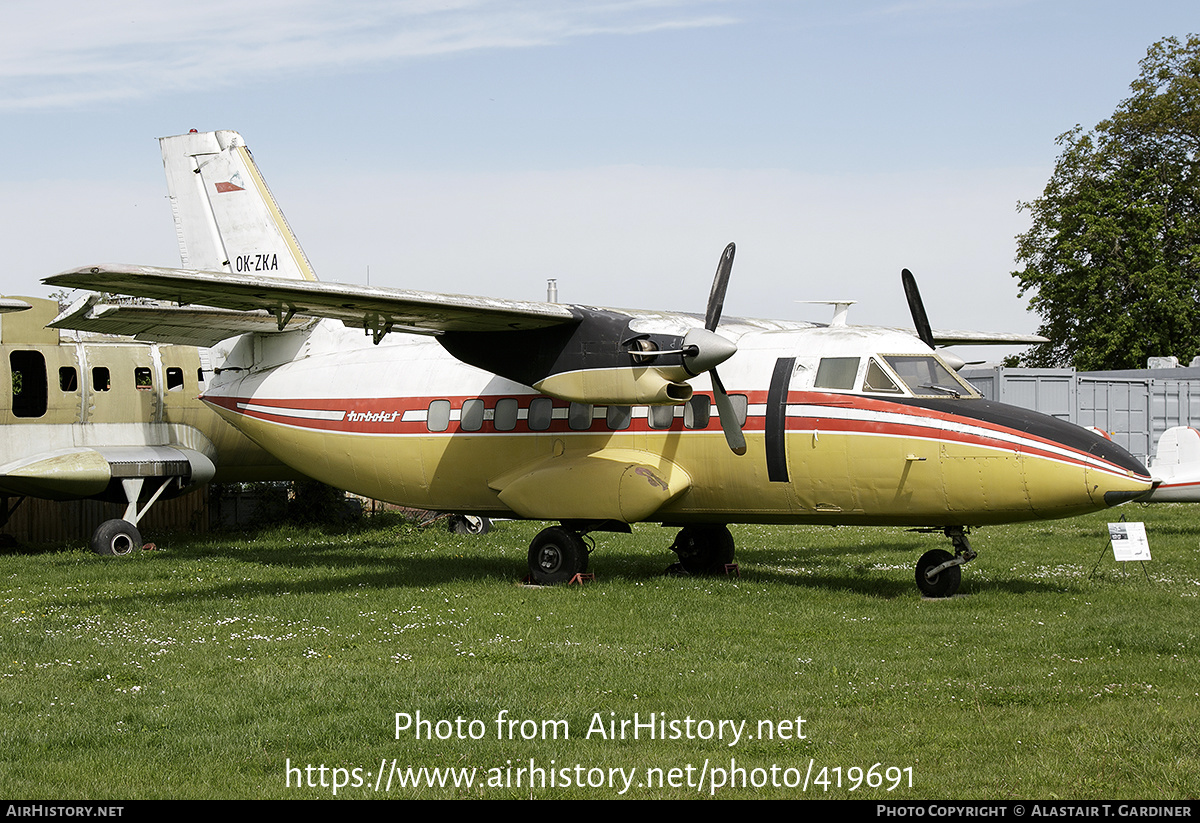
[{"x": 275, "y": 665}]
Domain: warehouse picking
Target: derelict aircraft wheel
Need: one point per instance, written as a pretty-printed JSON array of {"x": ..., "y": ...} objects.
[
  {"x": 704, "y": 549},
  {"x": 116, "y": 538},
  {"x": 556, "y": 555},
  {"x": 944, "y": 583}
]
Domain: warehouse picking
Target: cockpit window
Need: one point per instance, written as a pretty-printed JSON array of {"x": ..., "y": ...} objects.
[
  {"x": 878, "y": 380},
  {"x": 836, "y": 373},
  {"x": 927, "y": 376}
]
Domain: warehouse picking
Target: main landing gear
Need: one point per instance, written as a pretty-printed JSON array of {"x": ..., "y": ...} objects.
[
  {"x": 938, "y": 571},
  {"x": 704, "y": 549},
  {"x": 559, "y": 553},
  {"x": 556, "y": 555},
  {"x": 120, "y": 537}
]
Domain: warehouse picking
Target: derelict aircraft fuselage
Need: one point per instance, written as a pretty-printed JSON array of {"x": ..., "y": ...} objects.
[{"x": 599, "y": 418}]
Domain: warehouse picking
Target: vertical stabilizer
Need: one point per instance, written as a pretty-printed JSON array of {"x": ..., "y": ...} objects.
[{"x": 225, "y": 216}]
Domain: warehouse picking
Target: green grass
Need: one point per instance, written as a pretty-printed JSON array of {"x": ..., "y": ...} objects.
[{"x": 204, "y": 668}]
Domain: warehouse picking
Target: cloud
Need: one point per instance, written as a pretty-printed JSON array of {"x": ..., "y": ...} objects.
[{"x": 66, "y": 55}]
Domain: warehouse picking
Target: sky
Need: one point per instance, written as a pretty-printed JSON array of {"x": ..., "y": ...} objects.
[{"x": 484, "y": 146}]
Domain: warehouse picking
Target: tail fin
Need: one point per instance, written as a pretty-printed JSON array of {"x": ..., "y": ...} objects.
[{"x": 225, "y": 216}]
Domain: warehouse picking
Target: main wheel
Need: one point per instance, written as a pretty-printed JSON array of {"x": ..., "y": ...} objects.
[
  {"x": 556, "y": 555},
  {"x": 469, "y": 524},
  {"x": 116, "y": 538},
  {"x": 945, "y": 583},
  {"x": 704, "y": 549}
]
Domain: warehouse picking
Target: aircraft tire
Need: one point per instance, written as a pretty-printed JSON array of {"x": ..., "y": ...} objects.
[
  {"x": 116, "y": 538},
  {"x": 704, "y": 549},
  {"x": 469, "y": 524},
  {"x": 556, "y": 555},
  {"x": 946, "y": 583}
]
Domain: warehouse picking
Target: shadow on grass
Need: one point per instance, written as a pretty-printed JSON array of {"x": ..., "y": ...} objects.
[{"x": 405, "y": 556}]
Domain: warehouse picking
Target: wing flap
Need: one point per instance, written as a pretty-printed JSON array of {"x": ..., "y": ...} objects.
[{"x": 165, "y": 323}]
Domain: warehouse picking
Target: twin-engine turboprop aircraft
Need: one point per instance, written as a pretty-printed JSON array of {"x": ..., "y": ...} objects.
[{"x": 595, "y": 418}]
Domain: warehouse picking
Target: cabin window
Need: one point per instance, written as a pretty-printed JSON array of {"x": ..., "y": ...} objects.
[
  {"x": 438, "y": 419},
  {"x": 697, "y": 411},
  {"x": 471, "y": 419},
  {"x": 505, "y": 418},
  {"x": 618, "y": 417},
  {"x": 101, "y": 381},
  {"x": 836, "y": 373},
  {"x": 68, "y": 378},
  {"x": 579, "y": 416},
  {"x": 741, "y": 407},
  {"x": 142, "y": 379},
  {"x": 661, "y": 417},
  {"x": 541, "y": 412},
  {"x": 28, "y": 383},
  {"x": 174, "y": 379},
  {"x": 877, "y": 379}
]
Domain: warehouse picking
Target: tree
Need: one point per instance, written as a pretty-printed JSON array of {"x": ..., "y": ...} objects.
[{"x": 1112, "y": 258}]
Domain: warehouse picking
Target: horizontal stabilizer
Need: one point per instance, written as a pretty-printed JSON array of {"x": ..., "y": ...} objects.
[
  {"x": 1176, "y": 467},
  {"x": 956, "y": 337}
]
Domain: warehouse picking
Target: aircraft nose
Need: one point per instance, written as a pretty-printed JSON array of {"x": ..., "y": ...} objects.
[{"x": 1115, "y": 476}]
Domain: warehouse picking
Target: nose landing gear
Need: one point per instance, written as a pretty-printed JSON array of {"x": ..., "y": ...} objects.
[{"x": 939, "y": 572}]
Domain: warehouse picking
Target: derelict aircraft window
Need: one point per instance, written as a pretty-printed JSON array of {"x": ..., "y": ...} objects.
[
  {"x": 142, "y": 379},
  {"x": 174, "y": 379},
  {"x": 68, "y": 378},
  {"x": 836, "y": 373},
  {"x": 927, "y": 376},
  {"x": 100, "y": 379},
  {"x": 877, "y": 379},
  {"x": 28, "y": 383}
]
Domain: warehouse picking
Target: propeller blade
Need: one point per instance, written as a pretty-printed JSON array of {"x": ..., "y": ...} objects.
[
  {"x": 728, "y": 416},
  {"x": 716, "y": 297},
  {"x": 917, "y": 308}
]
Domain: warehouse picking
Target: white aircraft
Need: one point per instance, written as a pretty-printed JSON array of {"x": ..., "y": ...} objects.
[
  {"x": 592, "y": 417},
  {"x": 96, "y": 417}
]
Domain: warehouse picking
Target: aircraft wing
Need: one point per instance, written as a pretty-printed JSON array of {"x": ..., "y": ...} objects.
[
  {"x": 377, "y": 309},
  {"x": 81, "y": 472},
  {"x": 164, "y": 323}
]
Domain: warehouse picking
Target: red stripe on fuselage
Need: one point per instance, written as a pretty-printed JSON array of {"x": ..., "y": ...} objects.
[{"x": 384, "y": 416}]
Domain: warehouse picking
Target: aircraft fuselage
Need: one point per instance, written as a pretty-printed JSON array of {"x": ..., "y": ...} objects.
[{"x": 839, "y": 427}]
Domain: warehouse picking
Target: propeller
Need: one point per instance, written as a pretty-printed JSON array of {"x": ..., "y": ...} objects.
[
  {"x": 917, "y": 308},
  {"x": 712, "y": 316}
]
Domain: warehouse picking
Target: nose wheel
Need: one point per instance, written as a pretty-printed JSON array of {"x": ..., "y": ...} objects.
[{"x": 939, "y": 572}]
